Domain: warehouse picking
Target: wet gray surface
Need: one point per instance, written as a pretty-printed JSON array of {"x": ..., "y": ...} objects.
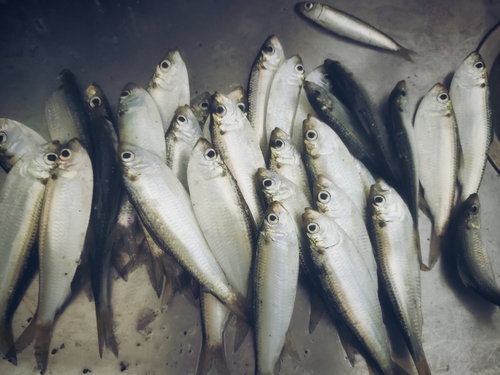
[{"x": 114, "y": 42}]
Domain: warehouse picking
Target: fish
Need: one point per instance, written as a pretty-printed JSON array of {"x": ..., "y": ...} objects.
[
  {"x": 334, "y": 202},
  {"x": 239, "y": 96},
  {"x": 326, "y": 154},
  {"x": 284, "y": 96},
  {"x": 401, "y": 130},
  {"x": 65, "y": 111},
  {"x": 286, "y": 160},
  {"x": 346, "y": 25},
  {"x": 347, "y": 286},
  {"x": 214, "y": 318},
  {"x": 180, "y": 139},
  {"x": 235, "y": 141},
  {"x": 332, "y": 112},
  {"x": 396, "y": 242},
  {"x": 275, "y": 279},
  {"x": 16, "y": 140},
  {"x": 472, "y": 260},
  {"x": 360, "y": 103},
  {"x": 436, "y": 139},
  {"x": 470, "y": 95},
  {"x": 21, "y": 196},
  {"x": 169, "y": 86},
  {"x": 165, "y": 209},
  {"x": 108, "y": 188},
  {"x": 65, "y": 214},
  {"x": 265, "y": 66},
  {"x": 200, "y": 105}
]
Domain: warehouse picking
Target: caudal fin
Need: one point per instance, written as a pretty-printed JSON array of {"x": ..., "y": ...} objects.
[
  {"x": 422, "y": 366},
  {"x": 405, "y": 52},
  {"x": 242, "y": 328},
  {"x": 212, "y": 356},
  {"x": 42, "y": 334},
  {"x": 7, "y": 344},
  {"x": 105, "y": 333},
  {"x": 435, "y": 248},
  {"x": 317, "y": 310},
  {"x": 154, "y": 266}
]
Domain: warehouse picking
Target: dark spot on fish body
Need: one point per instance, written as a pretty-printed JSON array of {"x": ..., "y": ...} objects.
[
  {"x": 121, "y": 113},
  {"x": 483, "y": 85},
  {"x": 54, "y": 176},
  {"x": 448, "y": 114},
  {"x": 381, "y": 224},
  {"x": 320, "y": 251},
  {"x": 133, "y": 178},
  {"x": 44, "y": 181}
]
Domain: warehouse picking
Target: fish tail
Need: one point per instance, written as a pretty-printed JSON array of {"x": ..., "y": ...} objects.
[
  {"x": 105, "y": 334},
  {"x": 212, "y": 355},
  {"x": 347, "y": 340},
  {"x": 155, "y": 267},
  {"x": 405, "y": 52},
  {"x": 435, "y": 248},
  {"x": 190, "y": 290},
  {"x": 7, "y": 346},
  {"x": 317, "y": 310},
  {"x": 242, "y": 328},
  {"x": 422, "y": 365},
  {"x": 288, "y": 348},
  {"x": 241, "y": 307},
  {"x": 398, "y": 370},
  {"x": 416, "y": 238},
  {"x": 42, "y": 334}
]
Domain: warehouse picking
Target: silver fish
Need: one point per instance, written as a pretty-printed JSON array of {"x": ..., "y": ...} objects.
[
  {"x": 65, "y": 214},
  {"x": 397, "y": 252},
  {"x": 267, "y": 62},
  {"x": 239, "y": 96},
  {"x": 200, "y": 106},
  {"x": 351, "y": 27},
  {"x": 470, "y": 94},
  {"x": 275, "y": 284},
  {"x": 169, "y": 86}
]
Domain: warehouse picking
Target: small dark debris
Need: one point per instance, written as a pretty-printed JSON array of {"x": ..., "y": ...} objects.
[
  {"x": 190, "y": 350},
  {"x": 284, "y": 8},
  {"x": 201, "y": 45},
  {"x": 185, "y": 333},
  {"x": 138, "y": 344},
  {"x": 181, "y": 351},
  {"x": 62, "y": 346},
  {"x": 306, "y": 351},
  {"x": 167, "y": 363},
  {"x": 10, "y": 360},
  {"x": 123, "y": 366},
  {"x": 54, "y": 351},
  {"x": 29, "y": 319},
  {"x": 86, "y": 370}
]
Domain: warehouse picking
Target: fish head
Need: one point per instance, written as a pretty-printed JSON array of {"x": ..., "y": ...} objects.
[
  {"x": 272, "y": 185},
  {"x": 205, "y": 161},
  {"x": 385, "y": 202},
  {"x": 321, "y": 230},
  {"x": 42, "y": 160},
  {"x": 132, "y": 98},
  {"x": 319, "y": 77},
  {"x": 399, "y": 96},
  {"x": 226, "y": 115},
  {"x": 64, "y": 77},
  {"x": 283, "y": 149},
  {"x": 472, "y": 71},
  {"x": 168, "y": 71},
  {"x": 317, "y": 93},
  {"x": 318, "y": 137},
  {"x": 202, "y": 102},
  {"x": 295, "y": 69},
  {"x": 184, "y": 124},
  {"x": 438, "y": 101},
  {"x": 73, "y": 159},
  {"x": 278, "y": 225},
  {"x": 309, "y": 9},
  {"x": 11, "y": 137},
  {"x": 470, "y": 212},
  {"x": 329, "y": 197},
  {"x": 239, "y": 96},
  {"x": 136, "y": 161},
  {"x": 96, "y": 101},
  {"x": 271, "y": 54}
]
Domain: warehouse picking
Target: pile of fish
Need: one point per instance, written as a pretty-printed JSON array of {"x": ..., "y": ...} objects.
[{"x": 243, "y": 196}]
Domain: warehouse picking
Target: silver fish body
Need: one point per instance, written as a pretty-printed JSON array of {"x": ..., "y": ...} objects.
[
  {"x": 275, "y": 285},
  {"x": 233, "y": 138},
  {"x": 169, "y": 86},
  {"x": 284, "y": 96},
  {"x": 265, "y": 66},
  {"x": 470, "y": 95},
  {"x": 180, "y": 139},
  {"x": 16, "y": 140},
  {"x": 397, "y": 252}
]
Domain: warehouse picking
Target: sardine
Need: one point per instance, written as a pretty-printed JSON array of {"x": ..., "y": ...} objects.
[
  {"x": 275, "y": 284},
  {"x": 473, "y": 262},
  {"x": 200, "y": 105},
  {"x": 396, "y": 248},
  {"x": 470, "y": 95},
  {"x": 169, "y": 86},
  {"x": 234, "y": 139},
  {"x": 267, "y": 62},
  {"x": 239, "y": 96},
  {"x": 65, "y": 215},
  {"x": 180, "y": 139},
  {"x": 436, "y": 138},
  {"x": 21, "y": 199},
  {"x": 351, "y": 27}
]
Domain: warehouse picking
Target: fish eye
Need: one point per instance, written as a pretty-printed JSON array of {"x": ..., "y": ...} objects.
[
  {"x": 210, "y": 154},
  {"x": 479, "y": 65},
  {"x": 3, "y": 137},
  {"x": 181, "y": 119},
  {"x": 324, "y": 196},
  {"x": 204, "y": 105},
  {"x": 124, "y": 94},
  {"x": 474, "y": 209},
  {"x": 272, "y": 219},
  {"x": 95, "y": 101},
  {"x": 279, "y": 144},
  {"x": 269, "y": 49},
  {"x": 299, "y": 68},
  {"x": 312, "y": 135},
  {"x": 313, "y": 228},
  {"x": 220, "y": 110},
  {"x": 50, "y": 158},
  {"x": 65, "y": 154},
  {"x": 127, "y": 156},
  {"x": 443, "y": 97},
  {"x": 308, "y": 6},
  {"x": 267, "y": 183},
  {"x": 403, "y": 93},
  {"x": 165, "y": 64},
  {"x": 241, "y": 106},
  {"x": 378, "y": 199}
]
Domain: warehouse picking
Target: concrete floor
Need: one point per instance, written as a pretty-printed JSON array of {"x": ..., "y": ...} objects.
[{"x": 114, "y": 42}]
